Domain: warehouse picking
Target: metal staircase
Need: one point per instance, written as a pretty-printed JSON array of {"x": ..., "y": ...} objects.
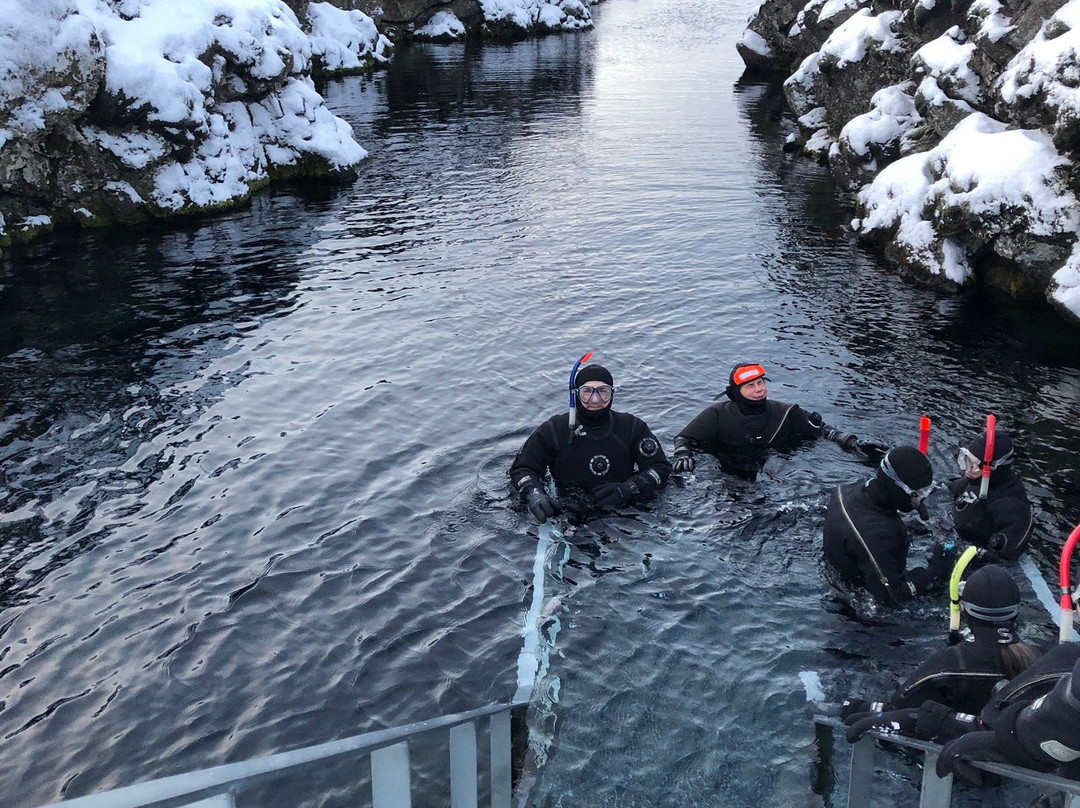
[{"x": 388, "y": 751}]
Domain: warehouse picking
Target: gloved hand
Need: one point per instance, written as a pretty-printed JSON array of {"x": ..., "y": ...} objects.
[
  {"x": 682, "y": 463},
  {"x": 614, "y": 495},
  {"x": 955, "y": 755},
  {"x": 540, "y": 505},
  {"x": 868, "y": 450},
  {"x": 859, "y": 707},
  {"x": 683, "y": 457},
  {"x": 902, "y": 722},
  {"x": 940, "y": 563},
  {"x": 844, "y": 440}
]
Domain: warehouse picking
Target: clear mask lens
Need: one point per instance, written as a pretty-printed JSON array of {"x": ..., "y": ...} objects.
[
  {"x": 918, "y": 497},
  {"x": 968, "y": 462},
  {"x": 917, "y": 494},
  {"x": 603, "y": 392}
]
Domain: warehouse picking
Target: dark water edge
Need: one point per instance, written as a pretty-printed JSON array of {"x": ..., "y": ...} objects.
[{"x": 254, "y": 467}]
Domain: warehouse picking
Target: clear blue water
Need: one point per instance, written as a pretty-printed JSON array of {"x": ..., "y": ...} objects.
[{"x": 253, "y": 467}]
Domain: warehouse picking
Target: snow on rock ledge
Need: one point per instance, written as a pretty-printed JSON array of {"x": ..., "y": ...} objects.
[
  {"x": 957, "y": 124},
  {"x": 119, "y": 111}
]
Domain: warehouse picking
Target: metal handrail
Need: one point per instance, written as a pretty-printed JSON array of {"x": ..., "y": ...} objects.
[
  {"x": 936, "y": 792},
  {"x": 191, "y": 787}
]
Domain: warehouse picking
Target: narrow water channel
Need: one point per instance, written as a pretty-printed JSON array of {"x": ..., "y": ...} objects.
[{"x": 254, "y": 467}]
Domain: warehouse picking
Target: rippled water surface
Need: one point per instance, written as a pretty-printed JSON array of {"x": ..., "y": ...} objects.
[{"x": 254, "y": 467}]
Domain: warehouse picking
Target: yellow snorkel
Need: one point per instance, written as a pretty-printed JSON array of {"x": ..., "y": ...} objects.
[{"x": 954, "y": 592}]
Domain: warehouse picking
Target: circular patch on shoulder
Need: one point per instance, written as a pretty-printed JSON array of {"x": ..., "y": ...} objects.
[
  {"x": 599, "y": 465},
  {"x": 648, "y": 446}
]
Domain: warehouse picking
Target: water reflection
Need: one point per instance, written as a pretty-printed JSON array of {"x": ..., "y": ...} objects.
[
  {"x": 426, "y": 84},
  {"x": 112, "y": 345}
]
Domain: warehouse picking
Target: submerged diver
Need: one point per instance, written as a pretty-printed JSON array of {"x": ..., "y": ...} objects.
[
  {"x": 865, "y": 540},
  {"x": 962, "y": 676},
  {"x": 738, "y": 431},
  {"x": 1001, "y": 523},
  {"x": 607, "y": 460}
]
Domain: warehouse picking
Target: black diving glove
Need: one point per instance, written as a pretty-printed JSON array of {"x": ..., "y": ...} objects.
[
  {"x": 682, "y": 462},
  {"x": 615, "y": 495},
  {"x": 682, "y": 459},
  {"x": 900, "y": 722},
  {"x": 869, "y": 451},
  {"x": 540, "y": 505},
  {"x": 932, "y": 721},
  {"x": 844, "y": 440},
  {"x": 940, "y": 563},
  {"x": 955, "y": 755},
  {"x": 859, "y": 707},
  {"x": 866, "y": 450}
]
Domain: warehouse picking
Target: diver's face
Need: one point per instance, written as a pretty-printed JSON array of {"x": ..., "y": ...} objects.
[{"x": 755, "y": 390}]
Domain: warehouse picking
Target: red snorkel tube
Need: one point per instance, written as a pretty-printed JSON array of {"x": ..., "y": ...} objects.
[
  {"x": 573, "y": 393},
  {"x": 924, "y": 434},
  {"x": 1066, "y": 634},
  {"x": 988, "y": 456}
]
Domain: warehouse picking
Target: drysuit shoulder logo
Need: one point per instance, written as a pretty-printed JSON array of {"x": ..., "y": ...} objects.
[
  {"x": 648, "y": 446},
  {"x": 599, "y": 465},
  {"x": 966, "y": 498}
]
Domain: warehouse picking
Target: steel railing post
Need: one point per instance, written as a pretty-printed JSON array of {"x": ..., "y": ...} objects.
[
  {"x": 499, "y": 734},
  {"x": 390, "y": 780},
  {"x": 463, "y": 766},
  {"x": 862, "y": 772},
  {"x": 936, "y": 791}
]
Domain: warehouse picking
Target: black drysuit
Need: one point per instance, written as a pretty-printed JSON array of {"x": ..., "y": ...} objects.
[
  {"x": 738, "y": 439},
  {"x": 1044, "y": 734},
  {"x": 961, "y": 676},
  {"x": 1001, "y": 523},
  {"x": 866, "y": 543},
  {"x": 616, "y": 449}
]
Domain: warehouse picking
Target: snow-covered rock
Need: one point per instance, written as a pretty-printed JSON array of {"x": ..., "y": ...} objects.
[
  {"x": 958, "y": 124},
  {"x": 122, "y": 110},
  {"x": 150, "y": 108}
]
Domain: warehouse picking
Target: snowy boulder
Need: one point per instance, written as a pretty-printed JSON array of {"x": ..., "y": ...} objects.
[
  {"x": 891, "y": 210},
  {"x": 1065, "y": 285},
  {"x": 949, "y": 90},
  {"x": 1041, "y": 87},
  {"x": 51, "y": 67},
  {"x": 818, "y": 19},
  {"x": 1001, "y": 30},
  {"x": 512, "y": 19},
  {"x": 344, "y": 40},
  {"x": 151, "y": 108},
  {"x": 781, "y": 33},
  {"x": 900, "y": 95},
  {"x": 444, "y": 26},
  {"x": 985, "y": 192},
  {"x": 442, "y": 21},
  {"x": 871, "y": 141},
  {"x": 842, "y": 77}
]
